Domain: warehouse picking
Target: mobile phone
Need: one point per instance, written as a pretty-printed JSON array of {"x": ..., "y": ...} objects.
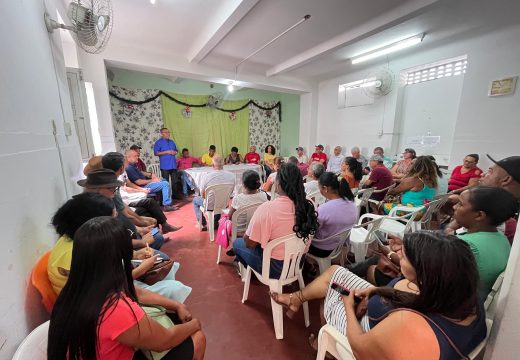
[
  {"x": 344, "y": 291},
  {"x": 154, "y": 231}
]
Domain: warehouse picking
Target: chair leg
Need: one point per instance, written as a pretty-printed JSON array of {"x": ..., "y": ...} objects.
[
  {"x": 218, "y": 254},
  {"x": 277, "y": 309},
  {"x": 211, "y": 225},
  {"x": 322, "y": 345},
  {"x": 301, "y": 283},
  {"x": 247, "y": 281}
]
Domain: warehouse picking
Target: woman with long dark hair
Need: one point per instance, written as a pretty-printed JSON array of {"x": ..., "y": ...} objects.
[
  {"x": 338, "y": 214},
  {"x": 352, "y": 171},
  {"x": 289, "y": 213},
  {"x": 96, "y": 316},
  {"x": 438, "y": 291}
]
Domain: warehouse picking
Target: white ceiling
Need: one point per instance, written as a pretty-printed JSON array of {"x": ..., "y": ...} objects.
[{"x": 217, "y": 34}]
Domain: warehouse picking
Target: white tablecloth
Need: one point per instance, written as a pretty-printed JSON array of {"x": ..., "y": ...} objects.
[{"x": 198, "y": 173}]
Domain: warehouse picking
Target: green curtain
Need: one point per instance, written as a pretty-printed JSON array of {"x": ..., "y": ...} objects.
[{"x": 206, "y": 126}]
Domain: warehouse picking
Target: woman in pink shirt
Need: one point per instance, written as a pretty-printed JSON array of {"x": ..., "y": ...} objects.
[
  {"x": 289, "y": 212},
  {"x": 96, "y": 315}
]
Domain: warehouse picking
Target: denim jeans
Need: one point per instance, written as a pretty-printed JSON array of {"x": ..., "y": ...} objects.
[
  {"x": 198, "y": 201},
  {"x": 253, "y": 257},
  {"x": 187, "y": 183},
  {"x": 164, "y": 187}
]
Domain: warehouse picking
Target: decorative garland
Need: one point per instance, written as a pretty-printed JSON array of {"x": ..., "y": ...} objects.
[{"x": 278, "y": 105}]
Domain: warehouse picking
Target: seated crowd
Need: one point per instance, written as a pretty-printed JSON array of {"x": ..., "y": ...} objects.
[{"x": 110, "y": 274}]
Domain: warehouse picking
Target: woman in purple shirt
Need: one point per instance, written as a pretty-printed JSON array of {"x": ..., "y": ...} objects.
[{"x": 338, "y": 214}]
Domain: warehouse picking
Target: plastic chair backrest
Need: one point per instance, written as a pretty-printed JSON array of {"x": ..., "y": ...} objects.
[
  {"x": 155, "y": 169},
  {"x": 432, "y": 208},
  {"x": 409, "y": 218},
  {"x": 316, "y": 198},
  {"x": 343, "y": 236},
  {"x": 40, "y": 280},
  {"x": 34, "y": 346},
  {"x": 248, "y": 211},
  {"x": 274, "y": 195},
  {"x": 217, "y": 197},
  {"x": 490, "y": 304},
  {"x": 294, "y": 250}
]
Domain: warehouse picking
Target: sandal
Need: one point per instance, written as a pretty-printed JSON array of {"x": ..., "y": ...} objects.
[{"x": 290, "y": 312}]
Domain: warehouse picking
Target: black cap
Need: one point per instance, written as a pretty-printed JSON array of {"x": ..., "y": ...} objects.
[
  {"x": 135, "y": 147},
  {"x": 100, "y": 178},
  {"x": 511, "y": 165},
  {"x": 212, "y": 147}
]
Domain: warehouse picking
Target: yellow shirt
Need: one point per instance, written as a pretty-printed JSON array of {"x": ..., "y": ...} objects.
[
  {"x": 61, "y": 257},
  {"x": 269, "y": 158},
  {"x": 207, "y": 160}
]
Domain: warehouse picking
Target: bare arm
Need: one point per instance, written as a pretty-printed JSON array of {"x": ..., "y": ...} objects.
[
  {"x": 231, "y": 212},
  {"x": 149, "y": 334},
  {"x": 472, "y": 182},
  {"x": 405, "y": 185}
]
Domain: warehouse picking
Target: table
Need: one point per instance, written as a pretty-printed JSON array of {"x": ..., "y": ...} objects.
[{"x": 198, "y": 173}]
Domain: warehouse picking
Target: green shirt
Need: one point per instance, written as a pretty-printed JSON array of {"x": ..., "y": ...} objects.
[{"x": 491, "y": 250}]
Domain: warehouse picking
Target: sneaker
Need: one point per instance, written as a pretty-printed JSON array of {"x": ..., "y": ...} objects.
[
  {"x": 168, "y": 208},
  {"x": 230, "y": 252}
]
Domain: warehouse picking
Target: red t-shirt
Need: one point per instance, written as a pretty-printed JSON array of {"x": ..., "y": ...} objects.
[
  {"x": 252, "y": 158},
  {"x": 319, "y": 157},
  {"x": 459, "y": 180},
  {"x": 184, "y": 163},
  {"x": 117, "y": 319},
  {"x": 381, "y": 178}
]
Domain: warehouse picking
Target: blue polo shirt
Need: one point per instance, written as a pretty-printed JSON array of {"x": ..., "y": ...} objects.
[
  {"x": 134, "y": 173},
  {"x": 168, "y": 161}
]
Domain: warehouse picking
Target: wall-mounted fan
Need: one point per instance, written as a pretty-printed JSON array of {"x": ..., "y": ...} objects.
[
  {"x": 215, "y": 100},
  {"x": 91, "y": 23},
  {"x": 378, "y": 83}
]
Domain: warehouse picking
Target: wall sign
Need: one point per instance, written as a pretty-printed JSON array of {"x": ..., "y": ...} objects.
[{"x": 502, "y": 87}]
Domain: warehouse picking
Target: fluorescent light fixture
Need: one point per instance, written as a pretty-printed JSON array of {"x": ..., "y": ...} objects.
[
  {"x": 152, "y": 2},
  {"x": 399, "y": 45}
]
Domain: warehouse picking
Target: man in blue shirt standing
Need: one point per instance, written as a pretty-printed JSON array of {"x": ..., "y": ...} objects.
[{"x": 166, "y": 150}]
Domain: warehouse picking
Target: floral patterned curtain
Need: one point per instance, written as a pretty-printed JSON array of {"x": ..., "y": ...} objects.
[
  {"x": 136, "y": 124},
  {"x": 264, "y": 127}
]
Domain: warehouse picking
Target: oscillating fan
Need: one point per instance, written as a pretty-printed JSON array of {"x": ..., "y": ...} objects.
[
  {"x": 215, "y": 100},
  {"x": 91, "y": 23},
  {"x": 378, "y": 83}
]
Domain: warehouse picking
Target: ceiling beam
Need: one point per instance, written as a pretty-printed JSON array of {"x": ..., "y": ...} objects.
[
  {"x": 371, "y": 27},
  {"x": 224, "y": 21}
]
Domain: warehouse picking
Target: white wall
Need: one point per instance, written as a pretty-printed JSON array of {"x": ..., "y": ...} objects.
[
  {"x": 430, "y": 108},
  {"x": 483, "y": 124},
  {"x": 32, "y": 184}
]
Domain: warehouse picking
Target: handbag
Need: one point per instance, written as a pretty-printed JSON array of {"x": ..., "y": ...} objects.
[
  {"x": 224, "y": 231},
  {"x": 157, "y": 273},
  {"x": 158, "y": 313}
]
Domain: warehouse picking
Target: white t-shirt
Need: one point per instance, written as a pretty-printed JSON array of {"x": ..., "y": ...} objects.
[
  {"x": 302, "y": 159},
  {"x": 311, "y": 187},
  {"x": 129, "y": 197},
  {"x": 243, "y": 200},
  {"x": 216, "y": 177},
  {"x": 334, "y": 163}
]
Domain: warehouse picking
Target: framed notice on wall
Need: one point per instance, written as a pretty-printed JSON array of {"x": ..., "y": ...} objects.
[{"x": 503, "y": 86}]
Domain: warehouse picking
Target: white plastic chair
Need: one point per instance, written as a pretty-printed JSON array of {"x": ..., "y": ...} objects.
[
  {"x": 362, "y": 201},
  {"x": 400, "y": 225},
  {"x": 291, "y": 272},
  {"x": 432, "y": 208},
  {"x": 155, "y": 169},
  {"x": 490, "y": 306},
  {"x": 386, "y": 190},
  {"x": 34, "y": 346},
  {"x": 247, "y": 211},
  {"x": 361, "y": 237},
  {"x": 325, "y": 262},
  {"x": 316, "y": 198},
  {"x": 335, "y": 343},
  {"x": 219, "y": 195}
]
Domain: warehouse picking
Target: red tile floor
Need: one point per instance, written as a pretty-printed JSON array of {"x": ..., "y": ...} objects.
[{"x": 233, "y": 330}]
